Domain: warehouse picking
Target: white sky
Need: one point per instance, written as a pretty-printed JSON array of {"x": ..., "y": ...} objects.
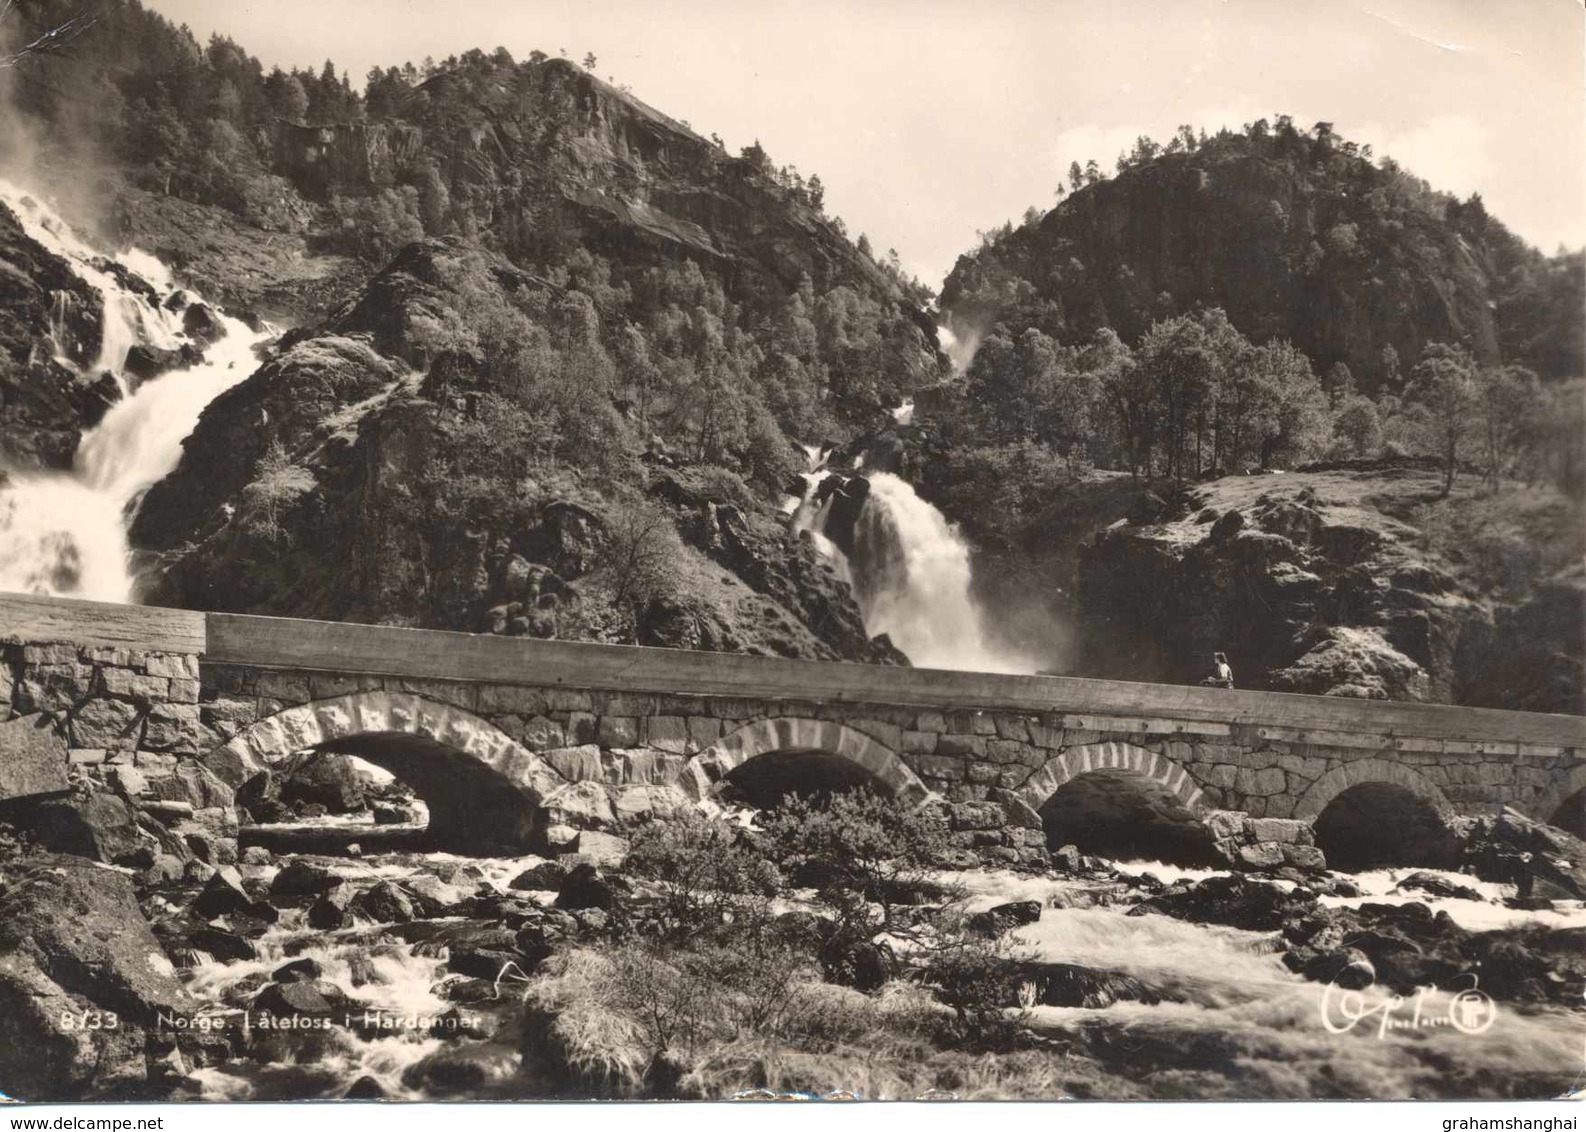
[{"x": 930, "y": 119}]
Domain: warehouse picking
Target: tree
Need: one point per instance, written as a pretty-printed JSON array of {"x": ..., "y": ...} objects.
[
  {"x": 1507, "y": 400},
  {"x": 1444, "y": 383},
  {"x": 590, "y": 61},
  {"x": 1358, "y": 427},
  {"x": 1076, "y": 177}
]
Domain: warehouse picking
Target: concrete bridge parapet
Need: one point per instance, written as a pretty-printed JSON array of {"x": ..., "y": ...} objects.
[{"x": 558, "y": 739}]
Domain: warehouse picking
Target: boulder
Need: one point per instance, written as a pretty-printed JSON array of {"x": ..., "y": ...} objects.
[
  {"x": 1434, "y": 885},
  {"x": 331, "y": 910},
  {"x": 385, "y": 903},
  {"x": 547, "y": 876},
  {"x": 224, "y": 895},
  {"x": 99, "y": 826},
  {"x": 327, "y": 781},
  {"x": 73, "y": 943},
  {"x": 307, "y": 998},
  {"x": 32, "y": 757},
  {"x": 202, "y": 324},
  {"x": 1005, "y": 917},
  {"x": 604, "y": 850},
  {"x": 585, "y": 888},
  {"x": 298, "y": 970},
  {"x": 1235, "y": 901},
  {"x": 1069, "y": 984},
  {"x": 303, "y": 878},
  {"x": 1540, "y": 860}
]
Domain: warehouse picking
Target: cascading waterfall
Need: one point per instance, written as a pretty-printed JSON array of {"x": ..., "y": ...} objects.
[
  {"x": 65, "y": 532},
  {"x": 910, "y": 573}
]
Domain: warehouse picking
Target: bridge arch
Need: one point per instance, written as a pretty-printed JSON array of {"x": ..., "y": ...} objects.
[
  {"x": 1564, "y": 804},
  {"x": 483, "y": 789},
  {"x": 845, "y": 753},
  {"x": 1122, "y": 800},
  {"x": 1369, "y": 813}
]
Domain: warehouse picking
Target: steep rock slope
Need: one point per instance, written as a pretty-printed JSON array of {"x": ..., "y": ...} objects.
[
  {"x": 342, "y": 481},
  {"x": 50, "y": 325},
  {"x": 1343, "y": 582}
]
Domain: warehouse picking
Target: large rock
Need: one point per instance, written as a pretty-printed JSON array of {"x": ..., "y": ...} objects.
[
  {"x": 99, "y": 826},
  {"x": 1540, "y": 860},
  {"x": 32, "y": 757},
  {"x": 74, "y": 946}
]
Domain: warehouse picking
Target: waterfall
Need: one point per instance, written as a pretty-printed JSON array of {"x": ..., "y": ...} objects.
[
  {"x": 910, "y": 573},
  {"x": 66, "y": 532}
]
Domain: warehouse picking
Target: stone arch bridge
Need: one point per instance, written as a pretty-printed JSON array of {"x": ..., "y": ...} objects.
[{"x": 516, "y": 743}]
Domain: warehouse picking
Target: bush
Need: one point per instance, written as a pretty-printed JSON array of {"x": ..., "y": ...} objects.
[
  {"x": 708, "y": 875},
  {"x": 979, "y": 978},
  {"x": 866, "y": 856}
]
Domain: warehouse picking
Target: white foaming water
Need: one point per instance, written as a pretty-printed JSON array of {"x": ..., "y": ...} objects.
[
  {"x": 912, "y": 575},
  {"x": 65, "y": 532},
  {"x": 1269, "y": 1021},
  {"x": 904, "y": 413},
  {"x": 959, "y": 351}
]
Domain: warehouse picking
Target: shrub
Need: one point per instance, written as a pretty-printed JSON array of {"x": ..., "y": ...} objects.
[
  {"x": 866, "y": 856},
  {"x": 979, "y": 978},
  {"x": 708, "y": 875}
]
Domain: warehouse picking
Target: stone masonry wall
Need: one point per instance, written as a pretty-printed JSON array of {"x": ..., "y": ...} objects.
[{"x": 141, "y": 723}]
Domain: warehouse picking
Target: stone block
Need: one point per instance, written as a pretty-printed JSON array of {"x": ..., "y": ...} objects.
[
  {"x": 577, "y": 764},
  {"x": 1222, "y": 824},
  {"x": 604, "y": 850},
  {"x": 960, "y": 723},
  {"x": 703, "y": 731},
  {"x": 1017, "y": 812},
  {"x": 111, "y": 724},
  {"x": 288, "y": 687},
  {"x": 1005, "y": 751},
  {"x": 618, "y": 731},
  {"x": 961, "y": 746},
  {"x": 127, "y": 684},
  {"x": 173, "y": 727},
  {"x": 456, "y": 693},
  {"x": 1043, "y": 735},
  {"x": 983, "y": 724},
  {"x": 985, "y": 772},
  {"x": 176, "y": 666},
  {"x": 55, "y": 687},
  {"x": 1217, "y": 774},
  {"x": 1304, "y": 857},
  {"x": 919, "y": 742},
  {"x": 581, "y": 727},
  {"x": 932, "y": 721},
  {"x": 329, "y": 685},
  {"x": 58, "y": 653},
  {"x": 511, "y": 699},
  {"x": 1261, "y": 855},
  {"x": 967, "y": 792},
  {"x": 637, "y": 802},
  {"x": 1012, "y": 727},
  {"x": 623, "y": 704},
  {"x": 568, "y": 699},
  {"x": 33, "y": 757},
  {"x": 941, "y": 766},
  {"x": 1275, "y": 829},
  {"x": 541, "y": 734},
  {"x": 889, "y": 735},
  {"x": 1010, "y": 777},
  {"x": 85, "y": 756},
  {"x": 127, "y": 780},
  {"x": 667, "y": 733},
  {"x": 582, "y": 805}
]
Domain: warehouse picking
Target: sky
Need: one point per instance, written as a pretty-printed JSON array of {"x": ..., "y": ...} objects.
[{"x": 930, "y": 120}]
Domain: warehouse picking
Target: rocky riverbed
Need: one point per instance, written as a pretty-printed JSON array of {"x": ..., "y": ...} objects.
[{"x": 417, "y": 976}]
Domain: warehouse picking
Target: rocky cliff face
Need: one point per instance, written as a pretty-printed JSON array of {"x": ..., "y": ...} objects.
[
  {"x": 50, "y": 324},
  {"x": 1322, "y": 583},
  {"x": 323, "y": 486}
]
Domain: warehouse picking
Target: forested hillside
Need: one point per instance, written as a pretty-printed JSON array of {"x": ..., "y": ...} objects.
[{"x": 650, "y": 307}]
